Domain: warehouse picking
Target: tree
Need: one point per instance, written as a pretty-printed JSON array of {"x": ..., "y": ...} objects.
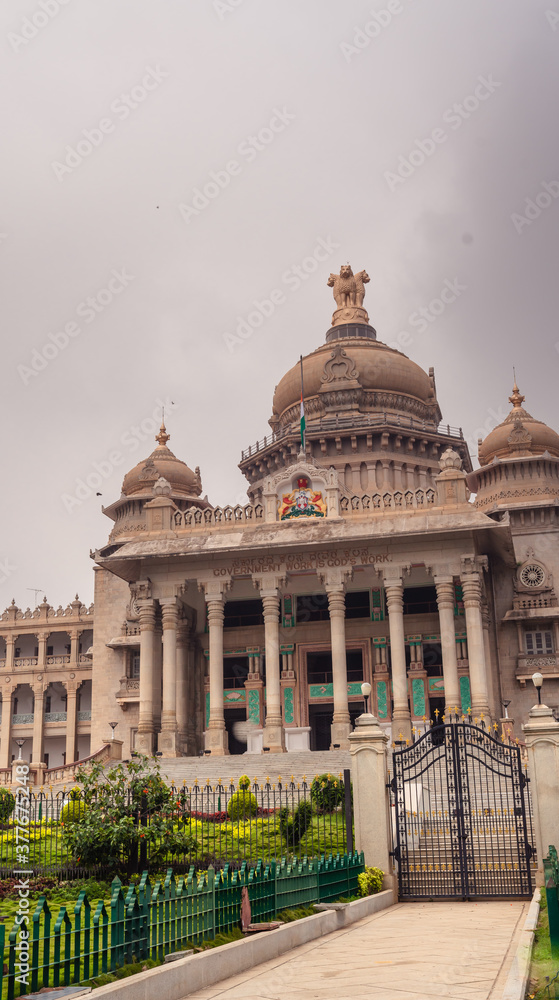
[{"x": 128, "y": 817}]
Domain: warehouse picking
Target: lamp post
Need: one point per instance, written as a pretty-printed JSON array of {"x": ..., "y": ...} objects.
[
  {"x": 537, "y": 681},
  {"x": 20, "y": 744},
  {"x": 366, "y": 691},
  {"x": 505, "y": 705},
  {"x": 113, "y": 726}
]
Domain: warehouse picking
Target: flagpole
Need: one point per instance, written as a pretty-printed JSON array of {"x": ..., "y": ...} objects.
[{"x": 303, "y": 449}]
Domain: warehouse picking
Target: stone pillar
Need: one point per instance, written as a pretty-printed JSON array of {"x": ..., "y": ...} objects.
[
  {"x": 371, "y": 803},
  {"x": 157, "y": 674},
  {"x": 445, "y": 601},
  {"x": 541, "y": 734},
  {"x": 6, "y": 736},
  {"x": 71, "y": 721},
  {"x": 183, "y": 668},
  {"x": 38, "y": 722},
  {"x": 10, "y": 647},
  {"x": 401, "y": 720},
  {"x": 145, "y": 737},
  {"x": 216, "y": 735},
  {"x": 486, "y": 622},
  {"x": 168, "y": 737},
  {"x": 341, "y": 725},
  {"x": 274, "y": 737},
  {"x": 74, "y": 647},
  {"x": 471, "y": 592},
  {"x": 42, "y": 640}
]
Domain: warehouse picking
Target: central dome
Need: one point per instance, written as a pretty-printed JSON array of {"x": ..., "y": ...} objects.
[{"x": 355, "y": 372}]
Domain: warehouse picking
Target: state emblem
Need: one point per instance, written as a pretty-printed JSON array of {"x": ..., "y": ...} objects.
[{"x": 302, "y": 502}]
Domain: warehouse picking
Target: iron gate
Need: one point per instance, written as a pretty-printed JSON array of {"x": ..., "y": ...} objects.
[{"x": 462, "y": 818}]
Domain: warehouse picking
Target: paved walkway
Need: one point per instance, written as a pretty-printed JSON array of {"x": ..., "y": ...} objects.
[{"x": 412, "y": 951}]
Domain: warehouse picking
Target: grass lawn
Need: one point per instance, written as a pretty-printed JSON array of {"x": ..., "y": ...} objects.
[{"x": 542, "y": 968}]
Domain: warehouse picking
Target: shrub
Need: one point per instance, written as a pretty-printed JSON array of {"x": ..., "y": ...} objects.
[
  {"x": 294, "y": 828},
  {"x": 327, "y": 792},
  {"x": 370, "y": 881},
  {"x": 7, "y": 803},
  {"x": 244, "y": 783},
  {"x": 73, "y": 811},
  {"x": 242, "y": 805}
]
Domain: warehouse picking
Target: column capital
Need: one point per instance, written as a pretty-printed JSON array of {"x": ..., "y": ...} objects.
[
  {"x": 269, "y": 584},
  {"x": 271, "y": 607},
  {"x": 146, "y": 615},
  {"x": 336, "y": 578},
  {"x": 141, "y": 589},
  {"x": 471, "y": 590},
  {"x": 169, "y": 612},
  {"x": 471, "y": 564},
  {"x": 215, "y": 590},
  {"x": 445, "y": 592}
]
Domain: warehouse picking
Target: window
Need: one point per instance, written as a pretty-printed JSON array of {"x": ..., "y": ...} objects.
[
  {"x": 357, "y": 604},
  {"x": 135, "y": 665},
  {"x": 50, "y": 650},
  {"x": 539, "y": 643},
  {"x": 312, "y": 608},
  {"x": 235, "y": 671},
  {"x": 47, "y": 704},
  {"x": 420, "y": 600},
  {"x": 242, "y": 613},
  {"x": 17, "y": 652}
]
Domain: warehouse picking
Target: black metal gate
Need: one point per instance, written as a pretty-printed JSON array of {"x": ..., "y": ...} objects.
[{"x": 462, "y": 820}]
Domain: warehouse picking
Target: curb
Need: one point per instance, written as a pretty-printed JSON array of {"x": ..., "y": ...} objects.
[
  {"x": 517, "y": 979},
  {"x": 172, "y": 982}
]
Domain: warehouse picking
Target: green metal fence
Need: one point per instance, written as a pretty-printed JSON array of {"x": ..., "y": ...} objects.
[
  {"x": 551, "y": 874},
  {"x": 150, "y": 921}
]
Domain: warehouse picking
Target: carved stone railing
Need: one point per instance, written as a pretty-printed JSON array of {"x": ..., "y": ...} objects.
[
  {"x": 25, "y": 661},
  {"x": 218, "y": 516},
  {"x": 84, "y": 716},
  {"x": 57, "y": 660},
  {"x": 22, "y": 719},
  {"x": 129, "y": 687},
  {"x": 2, "y": 663},
  {"x": 55, "y": 716},
  {"x": 398, "y": 500}
]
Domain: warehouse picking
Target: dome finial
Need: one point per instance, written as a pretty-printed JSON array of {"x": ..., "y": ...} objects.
[
  {"x": 516, "y": 398},
  {"x": 162, "y": 437}
]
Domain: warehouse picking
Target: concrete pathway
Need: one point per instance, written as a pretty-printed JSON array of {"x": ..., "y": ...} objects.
[{"x": 412, "y": 951}]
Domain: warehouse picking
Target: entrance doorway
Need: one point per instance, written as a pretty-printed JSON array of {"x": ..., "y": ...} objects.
[
  {"x": 320, "y": 721},
  {"x": 232, "y": 716}
]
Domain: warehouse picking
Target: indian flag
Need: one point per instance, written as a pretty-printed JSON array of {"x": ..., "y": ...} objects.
[{"x": 302, "y": 409}]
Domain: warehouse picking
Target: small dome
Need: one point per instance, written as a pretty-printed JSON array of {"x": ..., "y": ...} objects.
[
  {"x": 183, "y": 481},
  {"x": 365, "y": 363},
  {"x": 518, "y": 435}
]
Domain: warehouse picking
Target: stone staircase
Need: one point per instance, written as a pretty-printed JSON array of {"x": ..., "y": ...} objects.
[{"x": 262, "y": 767}]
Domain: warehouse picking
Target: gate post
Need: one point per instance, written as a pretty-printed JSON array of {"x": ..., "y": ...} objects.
[
  {"x": 371, "y": 803},
  {"x": 541, "y": 734}
]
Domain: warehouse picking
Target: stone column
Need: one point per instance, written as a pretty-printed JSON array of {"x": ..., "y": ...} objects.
[
  {"x": 168, "y": 737},
  {"x": 10, "y": 647},
  {"x": 216, "y": 734},
  {"x": 486, "y": 622},
  {"x": 42, "y": 640},
  {"x": 157, "y": 674},
  {"x": 71, "y": 721},
  {"x": 38, "y": 723},
  {"x": 6, "y": 737},
  {"x": 371, "y": 806},
  {"x": 145, "y": 737},
  {"x": 341, "y": 725},
  {"x": 401, "y": 720},
  {"x": 273, "y": 727},
  {"x": 183, "y": 668},
  {"x": 445, "y": 601},
  {"x": 471, "y": 591},
  {"x": 541, "y": 734},
  {"x": 74, "y": 647}
]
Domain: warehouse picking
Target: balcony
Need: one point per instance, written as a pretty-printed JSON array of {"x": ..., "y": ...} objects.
[
  {"x": 84, "y": 716},
  {"x": 23, "y": 719},
  {"x": 25, "y": 661},
  {"x": 129, "y": 690},
  {"x": 55, "y": 716},
  {"x": 546, "y": 664},
  {"x": 57, "y": 661}
]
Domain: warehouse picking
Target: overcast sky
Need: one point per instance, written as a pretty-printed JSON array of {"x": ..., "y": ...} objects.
[{"x": 172, "y": 161}]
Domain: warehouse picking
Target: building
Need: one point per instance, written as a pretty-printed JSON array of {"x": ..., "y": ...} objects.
[
  {"x": 373, "y": 553},
  {"x": 360, "y": 558}
]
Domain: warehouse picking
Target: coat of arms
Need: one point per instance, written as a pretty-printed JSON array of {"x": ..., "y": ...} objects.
[{"x": 302, "y": 502}]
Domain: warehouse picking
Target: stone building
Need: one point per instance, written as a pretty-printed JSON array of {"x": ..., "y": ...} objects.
[
  {"x": 363, "y": 557},
  {"x": 373, "y": 553},
  {"x": 46, "y": 668}
]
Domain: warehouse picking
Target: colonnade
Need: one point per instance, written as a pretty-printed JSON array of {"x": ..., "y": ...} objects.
[{"x": 169, "y": 712}]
